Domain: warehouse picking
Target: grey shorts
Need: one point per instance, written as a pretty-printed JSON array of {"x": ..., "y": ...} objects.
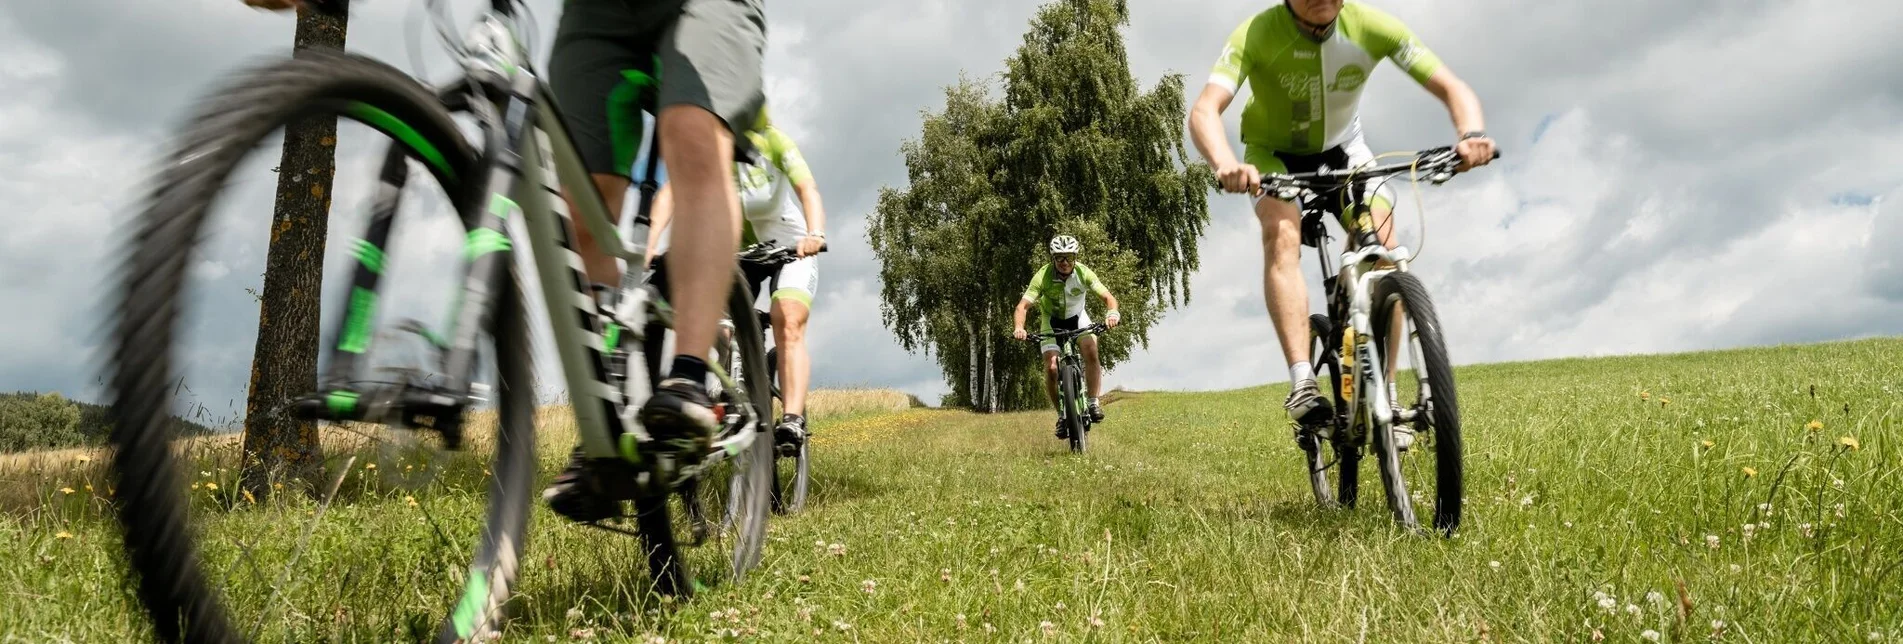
[{"x": 614, "y": 59}]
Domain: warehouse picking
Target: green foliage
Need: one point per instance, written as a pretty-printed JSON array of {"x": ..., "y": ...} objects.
[
  {"x": 1073, "y": 146},
  {"x": 29, "y": 421}
]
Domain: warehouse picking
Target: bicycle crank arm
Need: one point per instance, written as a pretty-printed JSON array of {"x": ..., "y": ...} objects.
[{"x": 411, "y": 407}]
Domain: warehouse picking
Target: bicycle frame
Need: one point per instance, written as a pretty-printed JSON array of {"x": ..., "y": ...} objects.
[
  {"x": 528, "y": 160},
  {"x": 1353, "y": 305}
]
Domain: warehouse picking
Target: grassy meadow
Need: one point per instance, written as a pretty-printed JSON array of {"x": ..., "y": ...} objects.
[{"x": 1744, "y": 496}]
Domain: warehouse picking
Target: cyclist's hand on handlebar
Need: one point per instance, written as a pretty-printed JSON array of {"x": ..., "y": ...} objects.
[
  {"x": 810, "y": 246},
  {"x": 1241, "y": 177},
  {"x": 1018, "y": 333},
  {"x": 1474, "y": 152}
]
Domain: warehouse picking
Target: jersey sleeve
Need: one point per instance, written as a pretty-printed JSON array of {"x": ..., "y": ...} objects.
[
  {"x": 1386, "y": 37},
  {"x": 781, "y": 151},
  {"x": 1233, "y": 65},
  {"x": 1037, "y": 284},
  {"x": 1091, "y": 281}
]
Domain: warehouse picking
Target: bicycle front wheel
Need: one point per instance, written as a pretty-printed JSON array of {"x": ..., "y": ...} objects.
[
  {"x": 260, "y": 557},
  {"x": 1427, "y": 411},
  {"x": 1073, "y": 412}
]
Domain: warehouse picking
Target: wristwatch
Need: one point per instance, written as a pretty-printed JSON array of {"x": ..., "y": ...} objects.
[{"x": 1476, "y": 134}]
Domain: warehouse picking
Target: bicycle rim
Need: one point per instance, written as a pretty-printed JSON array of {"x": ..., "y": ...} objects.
[{"x": 1425, "y": 389}]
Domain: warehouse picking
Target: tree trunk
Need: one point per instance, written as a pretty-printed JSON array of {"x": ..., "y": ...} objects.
[
  {"x": 974, "y": 396},
  {"x": 278, "y": 447},
  {"x": 991, "y": 367}
]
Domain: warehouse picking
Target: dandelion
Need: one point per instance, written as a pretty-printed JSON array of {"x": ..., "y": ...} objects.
[
  {"x": 1850, "y": 442},
  {"x": 1815, "y": 426},
  {"x": 1711, "y": 541},
  {"x": 1494, "y": 565},
  {"x": 869, "y": 586},
  {"x": 211, "y": 486},
  {"x": 1650, "y": 635},
  {"x": 66, "y": 490},
  {"x": 1749, "y": 472},
  {"x": 63, "y": 535}
]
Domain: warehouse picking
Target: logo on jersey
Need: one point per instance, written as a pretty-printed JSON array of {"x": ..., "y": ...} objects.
[
  {"x": 1299, "y": 85},
  {"x": 1407, "y": 54},
  {"x": 1349, "y": 79}
]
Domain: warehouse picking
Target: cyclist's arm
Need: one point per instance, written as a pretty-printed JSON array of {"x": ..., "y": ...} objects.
[
  {"x": 1205, "y": 125},
  {"x": 784, "y": 153},
  {"x": 1462, "y": 104},
  {"x": 1017, "y": 316},
  {"x": 815, "y": 210},
  {"x": 1225, "y": 79},
  {"x": 659, "y": 213},
  {"x": 1097, "y": 286}
]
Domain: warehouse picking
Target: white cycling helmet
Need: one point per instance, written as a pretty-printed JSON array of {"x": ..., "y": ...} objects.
[{"x": 1063, "y": 244}]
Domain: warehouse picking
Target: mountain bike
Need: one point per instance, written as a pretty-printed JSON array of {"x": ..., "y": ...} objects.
[
  {"x": 1071, "y": 388},
  {"x": 789, "y": 496},
  {"x": 1375, "y": 304},
  {"x": 504, "y": 186}
]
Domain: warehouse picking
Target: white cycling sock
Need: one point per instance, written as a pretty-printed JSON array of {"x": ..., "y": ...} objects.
[{"x": 1300, "y": 371}]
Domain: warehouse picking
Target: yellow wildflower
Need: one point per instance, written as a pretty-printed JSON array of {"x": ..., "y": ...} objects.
[
  {"x": 1645, "y": 395},
  {"x": 1850, "y": 442},
  {"x": 1663, "y": 401},
  {"x": 85, "y": 459},
  {"x": 1815, "y": 425},
  {"x": 63, "y": 535},
  {"x": 1750, "y": 472},
  {"x": 249, "y": 498},
  {"x": 370, "y": 466},
  {"x": 66, "y": 490},
  {"x": 1707, "y": 443},
  {"x": 211, "y": 486}
]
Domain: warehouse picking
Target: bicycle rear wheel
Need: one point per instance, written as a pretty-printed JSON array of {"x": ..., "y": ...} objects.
[
  {"x": 174, "y": 539},
  {"x": 789, "y": 496},
  {"x": 1425, "y": 396}
]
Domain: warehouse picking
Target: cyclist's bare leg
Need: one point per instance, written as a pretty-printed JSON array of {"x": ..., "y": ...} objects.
[
  {"x": 796, "y": 367},
  {"x": 1282, "y": 285},
  {"x": 698, "y": 150},
  {"x": 1093, "y": 373},
  {"x": 1050, "y": 379},
  {"x": 600, "y": 267}
]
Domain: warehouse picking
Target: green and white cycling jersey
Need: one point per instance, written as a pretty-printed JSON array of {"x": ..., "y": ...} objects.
[
  {"x": 1058, "y": 296},
  {"x": 1305, "y": 95},
  {"x": 767, "y": 200}
]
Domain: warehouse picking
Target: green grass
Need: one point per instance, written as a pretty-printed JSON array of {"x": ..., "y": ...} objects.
[{"x": 1189, "y": 520}]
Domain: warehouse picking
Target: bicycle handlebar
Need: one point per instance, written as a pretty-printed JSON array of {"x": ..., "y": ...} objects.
[
  {"x": 1437, "y": 163},
  {"x": 1061, "y": 334}
]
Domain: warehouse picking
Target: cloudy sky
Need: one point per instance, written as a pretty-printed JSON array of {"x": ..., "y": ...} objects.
[{"x": 1684, "y": 175}]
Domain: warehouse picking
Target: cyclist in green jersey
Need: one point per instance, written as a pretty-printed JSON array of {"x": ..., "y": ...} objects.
[
  {"x": 1306, "y": 63},
  {"x": 604, "y": 71},
  {"x": 781, "y": 203},
  {"x": 1058, "y": 290}
]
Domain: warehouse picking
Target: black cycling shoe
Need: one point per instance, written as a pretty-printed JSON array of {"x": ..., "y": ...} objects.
[
  {"x": 1063, "y": 430},
  {"x": 1309, "y": 408},
  {"x": 579, "y": 494},
  {"x": 790, "y": 435},
  {"x": 680, "y": 418},
  {"x": 1096, "y": 412}
]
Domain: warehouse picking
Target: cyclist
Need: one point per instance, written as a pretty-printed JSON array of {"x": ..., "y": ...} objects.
[
  {"x": 607, "y": 53},
  {"x": 770, "y": 184},
  {"x": 1306, "y": 63},
  {"x": 1058, "y": 290}
]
